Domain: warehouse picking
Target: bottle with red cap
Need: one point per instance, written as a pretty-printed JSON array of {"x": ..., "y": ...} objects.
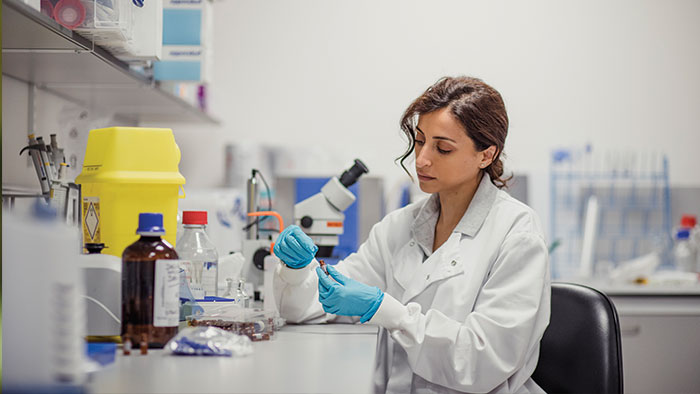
[{"x": 195, "y": 246}]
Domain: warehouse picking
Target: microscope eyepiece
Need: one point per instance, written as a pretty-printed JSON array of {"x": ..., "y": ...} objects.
[{"x": 351, "y": 175}]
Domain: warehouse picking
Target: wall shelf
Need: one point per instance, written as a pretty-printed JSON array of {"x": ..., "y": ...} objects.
[{"x": 36, "y": 49}]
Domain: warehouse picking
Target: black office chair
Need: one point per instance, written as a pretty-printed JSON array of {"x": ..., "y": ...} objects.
[{"x": 581, "y": 350}]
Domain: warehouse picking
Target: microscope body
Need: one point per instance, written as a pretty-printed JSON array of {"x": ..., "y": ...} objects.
[{"x": 321, "y": 215}]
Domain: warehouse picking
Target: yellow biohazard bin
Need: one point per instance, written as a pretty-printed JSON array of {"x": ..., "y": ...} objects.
[{"x": 127, "y": 171}]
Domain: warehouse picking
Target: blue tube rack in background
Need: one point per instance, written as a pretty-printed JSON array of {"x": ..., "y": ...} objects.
[{"x": 634, "y": 206}]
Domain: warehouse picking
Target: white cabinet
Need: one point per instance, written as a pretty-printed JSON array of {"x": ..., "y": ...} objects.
[{"x": 660, "y": 340}]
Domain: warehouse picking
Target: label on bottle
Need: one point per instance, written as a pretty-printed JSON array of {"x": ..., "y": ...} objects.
[{"x": 166, "y": 293}]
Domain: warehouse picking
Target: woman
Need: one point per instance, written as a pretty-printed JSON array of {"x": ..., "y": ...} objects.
[{"x": 458, "y": 282}]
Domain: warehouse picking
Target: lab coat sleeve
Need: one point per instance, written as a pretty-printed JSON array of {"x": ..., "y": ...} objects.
[
  {"x": 296, "y": 294},
  {"x": 498, "y": 336}
]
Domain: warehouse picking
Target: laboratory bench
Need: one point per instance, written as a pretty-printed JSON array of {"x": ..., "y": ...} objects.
[
  {"x": 660, "y": 327},
  {"x": 328, "y": 358}
]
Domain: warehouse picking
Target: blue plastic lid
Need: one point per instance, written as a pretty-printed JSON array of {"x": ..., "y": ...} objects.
[
  {"x": 43, "y": 211},
  {"x": 683, "y": 233},
  {"x": 150, "y": 224}
]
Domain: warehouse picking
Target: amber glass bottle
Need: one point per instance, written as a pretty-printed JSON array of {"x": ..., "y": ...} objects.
[{"x": 150, "y": 285}]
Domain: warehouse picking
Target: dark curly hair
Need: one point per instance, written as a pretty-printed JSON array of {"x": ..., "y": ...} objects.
[{"x": 476, "y": 105}]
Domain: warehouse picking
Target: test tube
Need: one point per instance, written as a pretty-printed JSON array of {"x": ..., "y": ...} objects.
[
  {"x": 323, "y": 266},
  {"x": 144, "y": 344},
  {"x": 127, "y": 346}
]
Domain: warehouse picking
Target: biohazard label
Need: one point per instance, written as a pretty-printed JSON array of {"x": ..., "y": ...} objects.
[{"x": 91, "y": 220}]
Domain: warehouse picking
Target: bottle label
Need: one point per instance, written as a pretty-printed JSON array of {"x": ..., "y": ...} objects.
[{"x": 166, "y": 294}]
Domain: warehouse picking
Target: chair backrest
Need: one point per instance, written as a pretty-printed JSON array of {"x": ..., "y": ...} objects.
[{"x": 581, "y": 350}]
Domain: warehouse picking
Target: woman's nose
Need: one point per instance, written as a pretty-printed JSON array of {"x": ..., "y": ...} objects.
[{"x": 422, "y": 159}]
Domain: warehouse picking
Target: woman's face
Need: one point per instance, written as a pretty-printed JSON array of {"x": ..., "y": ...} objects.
[{"x": 446, "y": 158}]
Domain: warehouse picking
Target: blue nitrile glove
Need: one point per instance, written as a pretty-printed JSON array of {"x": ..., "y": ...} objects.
[
  {"x": 295, "y": 248},
  {"x": 347, "y": 297}
]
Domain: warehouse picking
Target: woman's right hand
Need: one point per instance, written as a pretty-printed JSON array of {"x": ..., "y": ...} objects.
[{"x": 294, "y": 247}]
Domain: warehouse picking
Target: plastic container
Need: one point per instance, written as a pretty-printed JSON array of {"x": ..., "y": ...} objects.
[
  {"x": 690, "y": 222},
  {"x": 150, "y": 286},
  {"x": 109, "y": 23},
  {"x": 256, "y": 324},
  {"x": 199, "y": 255},
  {"x": 69, "y": 13},
  {"x": 126, "y": 171},
  {"x": 683, "y": 251}
]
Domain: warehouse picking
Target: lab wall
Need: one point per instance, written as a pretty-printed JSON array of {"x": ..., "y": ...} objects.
[
  {"x": 51, "y": 114},
  {"x": 320, "y": 83},
  {"x": 330, "y": 80}
]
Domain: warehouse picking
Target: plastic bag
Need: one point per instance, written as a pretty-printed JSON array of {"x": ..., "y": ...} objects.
[
  {"x": 256, "y": 324},
  {"x": 208, "y": 341}
]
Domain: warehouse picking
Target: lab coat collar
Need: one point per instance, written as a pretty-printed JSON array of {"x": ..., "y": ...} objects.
[
  {"x": 423, "y": 227},
  {"x": 478, "y": 208}
]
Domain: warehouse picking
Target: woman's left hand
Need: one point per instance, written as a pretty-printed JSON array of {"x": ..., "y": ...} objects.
[{"x": 341, "y": 295}]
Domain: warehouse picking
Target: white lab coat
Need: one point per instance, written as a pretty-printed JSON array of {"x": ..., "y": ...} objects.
[{"x": 468, "y": 317}]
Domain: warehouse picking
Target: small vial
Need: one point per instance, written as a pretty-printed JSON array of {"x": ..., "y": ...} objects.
[
  {"x": 127, "y": 346},
  {"x": 144, "y": 344},
  {"x": 324, "y": 267}
]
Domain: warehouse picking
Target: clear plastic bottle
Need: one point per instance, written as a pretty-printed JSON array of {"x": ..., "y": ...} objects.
[
  {"x": 150, "y": 292},
  {"x": 683, "y": 251},
  {"x": 195, "y": 246}
]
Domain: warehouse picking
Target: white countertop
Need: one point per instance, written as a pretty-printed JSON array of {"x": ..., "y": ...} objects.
[
  {"x": 334, "y": 358},
  {"x": 629, "y": 289},
  {"x": 648, "y": 300}
]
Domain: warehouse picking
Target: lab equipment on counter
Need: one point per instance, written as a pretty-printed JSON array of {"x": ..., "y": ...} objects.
[
  {"x": 208, "y": 341},
  {"x": 255, "y": 251},
  {"x": 51, "y": 169},
  {"x": 257, "y": 246},
  {"x": 103, "y": 292},
  {"x": 690, "y": 222},
  {"x": 126, "y": 171},
  {"x": 188, "y": 304},
  {"x": 683, "y": 251},
  {"x": 321, "y": 215},
  {"x": 256, "y": 324},
  {"x": 150, "y": 285},
  {"x": 199, "y": 255},
  {"x": 42, "y": 171},
  {"x": 102, "y": 353},
  {"x": 590, "y": 228},
  {"x": 633, "y": 201},
  {"x": 43, "y": 313},
  {"x": 241, "y": 296}
]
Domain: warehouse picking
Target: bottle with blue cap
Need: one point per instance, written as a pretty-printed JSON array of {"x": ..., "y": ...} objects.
[
  {"x": 150, "y": 285},
  {"x": 683, "y": 251}
]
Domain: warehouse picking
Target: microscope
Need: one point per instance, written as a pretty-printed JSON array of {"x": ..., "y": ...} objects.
[{"x": 319, "y": 216}]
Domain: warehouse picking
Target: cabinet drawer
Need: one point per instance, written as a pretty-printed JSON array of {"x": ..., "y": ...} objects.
[{"x": 661, "y": 353}]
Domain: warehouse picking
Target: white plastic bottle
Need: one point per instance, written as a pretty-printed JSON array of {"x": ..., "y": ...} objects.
[
  {"x": 195, "y": 247},
  {"x": 690, "y": 222},
  {"x": 683, "y": 251}
]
